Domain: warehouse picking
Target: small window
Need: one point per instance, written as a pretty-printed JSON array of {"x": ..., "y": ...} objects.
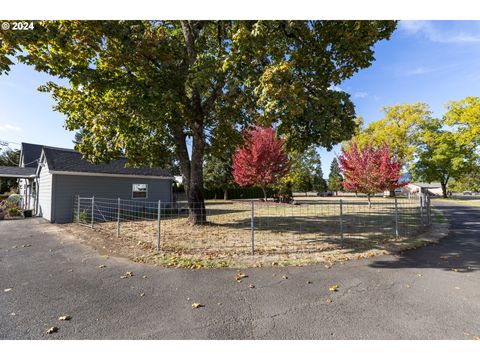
[{"x": 139, "y": 191}]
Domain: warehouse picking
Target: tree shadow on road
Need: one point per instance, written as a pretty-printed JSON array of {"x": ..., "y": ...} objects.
[{"x": 459, "y": 251}]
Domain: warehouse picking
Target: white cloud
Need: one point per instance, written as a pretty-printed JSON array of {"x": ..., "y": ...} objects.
[
  {"x": 7, "y": 127},
  {"x": 434, "y": 33},
  {"x": 418, "y": 71},
  {"x": 360, "y": 94}
]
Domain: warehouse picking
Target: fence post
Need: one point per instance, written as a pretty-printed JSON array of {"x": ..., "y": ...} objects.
[
  {"x": 396, "y": 218},
  {"x": 159, "y": 223},
  {"x": 421, "y": 208},
  {"x": 118, "y": 218},
  {"x": 252, "y": 225},
  {"x": 93, "y": 210},
  {"x": 78, "y": 209},
  {"x": 429, "y": 213},
  {"x": 341, "y": 220}
]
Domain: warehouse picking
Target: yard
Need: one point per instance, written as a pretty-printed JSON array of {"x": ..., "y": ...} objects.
[{"x": 309, "y": 231}]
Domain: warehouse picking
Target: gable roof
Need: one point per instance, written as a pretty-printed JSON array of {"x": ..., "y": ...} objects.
[
  {"x": 17, "y": 172},
  {"x": 68, "y": 160},
  {"x": 30, "y": 154}
]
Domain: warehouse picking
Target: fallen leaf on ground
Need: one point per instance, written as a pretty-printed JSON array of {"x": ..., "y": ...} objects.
[
  {"x": 219, "y": 303},
  {"x": 370, "y": 254},
  {"x": 8, "y": 290},
  {"x": 102, "y": 266},
  {"x": 26, "y": 245},
  {"x": 333, "y": 288},
  {"x": 476, "y": 338},
  {"x": 308, "y": 282},
  {"x": 240, "y": 276},
  {"x": 196, "y": 305},
  {"x": 419, "y": 275},
  {"x": 251, "y": 286},
  {"x": 127, "y": 274},
  {"x": 455, "y": 270},
  {"x": 407, "y": 285},
  {"x": 144, "y": 276},
  {"x": 285, "y": 277},
  {"x": 12, "y": 314},
  {"x": 456, "y": 287},
  {"x": 65, "y": 317},
  {"x": 52, "y": 330},
  {"x": 142, "y": 294},
  {"x": 328, "y": 266},
  {"x": 328, "y": 301}
]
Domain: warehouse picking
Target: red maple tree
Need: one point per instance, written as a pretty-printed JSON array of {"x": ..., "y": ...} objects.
[
  {"x": 261, "y": 160},
  {"x": 370, "y": 170}
]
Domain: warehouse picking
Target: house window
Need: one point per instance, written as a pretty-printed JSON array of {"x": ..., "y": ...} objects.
[{"x": 139, "y": 191}]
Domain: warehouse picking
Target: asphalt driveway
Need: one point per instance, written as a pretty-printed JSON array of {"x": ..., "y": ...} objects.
[{"x": 430, "y": 293}]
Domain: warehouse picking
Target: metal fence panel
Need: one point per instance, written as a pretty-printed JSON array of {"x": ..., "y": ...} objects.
[{"x": 256, "y": 227}]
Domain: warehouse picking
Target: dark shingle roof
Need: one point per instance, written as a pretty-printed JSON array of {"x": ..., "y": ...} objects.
[
  {"x": 71, "y": 160},
  {"x": 15, "y": 171},
  {"x": 31, "y": 153}
]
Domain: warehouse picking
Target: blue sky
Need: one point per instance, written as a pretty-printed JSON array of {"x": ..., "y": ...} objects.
[{"x": 429, "y": 61}]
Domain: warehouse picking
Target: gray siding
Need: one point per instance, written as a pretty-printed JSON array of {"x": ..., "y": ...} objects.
[
  {"x": 45, "y": 186},
  {"x": 69, "y": 186}
]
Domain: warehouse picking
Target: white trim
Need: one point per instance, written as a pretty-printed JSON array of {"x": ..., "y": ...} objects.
[
  {"x": 79, "y": 173},
  {"x": 18, "y": 176},
  {"x": 146, "y": 192}
]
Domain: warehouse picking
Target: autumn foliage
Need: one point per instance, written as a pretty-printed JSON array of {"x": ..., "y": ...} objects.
[
  {"x": 370, "y": 170},
  {"x": 262, "y": 159}
]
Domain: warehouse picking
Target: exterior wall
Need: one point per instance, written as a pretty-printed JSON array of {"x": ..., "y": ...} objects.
[
  {"x": 45, "y": 187},
  {"x": 69, "y": 186}
]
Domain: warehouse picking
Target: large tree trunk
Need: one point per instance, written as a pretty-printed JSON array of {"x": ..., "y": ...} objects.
[
  {"x": 444, "y": 190},
  {"x": 264, "y": 193},
  {"x": 192, "y": 172},
  {"x": 225, "y": 194},
  {"x": 392, "y": 193},
  {"x": 369, "y": 201}
]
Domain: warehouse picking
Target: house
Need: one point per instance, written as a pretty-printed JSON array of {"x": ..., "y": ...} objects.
[
  {"x": 61, "y": 174},
  {"x": 418, "y": 187}
]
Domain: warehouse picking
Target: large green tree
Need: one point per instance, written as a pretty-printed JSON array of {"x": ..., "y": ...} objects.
[
  {"x": 143, "y": 89},
  {"x": 306, "y": 170},
  {"x": 397, "y": 129},
  {"x": 441, "y": 156}
]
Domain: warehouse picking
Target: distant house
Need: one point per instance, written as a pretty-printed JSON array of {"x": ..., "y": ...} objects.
[
  {"x": 59, "y": 174},
  {"x": 419, "y": 187}
]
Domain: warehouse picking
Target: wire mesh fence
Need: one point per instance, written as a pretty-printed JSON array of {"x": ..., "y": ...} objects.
[{"x": 256, "y": 227}]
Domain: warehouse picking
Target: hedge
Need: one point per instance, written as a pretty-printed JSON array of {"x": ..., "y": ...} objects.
[{"x": 251, "y": 192}]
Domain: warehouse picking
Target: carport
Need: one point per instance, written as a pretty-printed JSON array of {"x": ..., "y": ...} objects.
[{"x": 26, "y": 173}]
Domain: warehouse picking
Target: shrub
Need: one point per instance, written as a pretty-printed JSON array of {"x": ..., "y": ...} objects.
[{"x": 84, "y": 217}]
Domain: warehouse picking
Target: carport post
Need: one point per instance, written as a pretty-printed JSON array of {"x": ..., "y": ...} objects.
[
  {"x": 252, "y": 225},
  {"x": 341, "y": 220},
  {"x": 396, "y": 218},
  {"x": 118, "y": 218},
  {"x": 159, "y": 224},
  {"x": 78, "y": 209},
  {"x": 93, "y": 210}
]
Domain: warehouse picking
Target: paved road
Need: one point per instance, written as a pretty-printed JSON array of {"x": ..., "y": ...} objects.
[{"x": 412, "y": 296}]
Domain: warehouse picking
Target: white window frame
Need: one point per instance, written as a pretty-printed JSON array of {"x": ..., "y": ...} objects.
[{"x": 137, "y": 191}]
